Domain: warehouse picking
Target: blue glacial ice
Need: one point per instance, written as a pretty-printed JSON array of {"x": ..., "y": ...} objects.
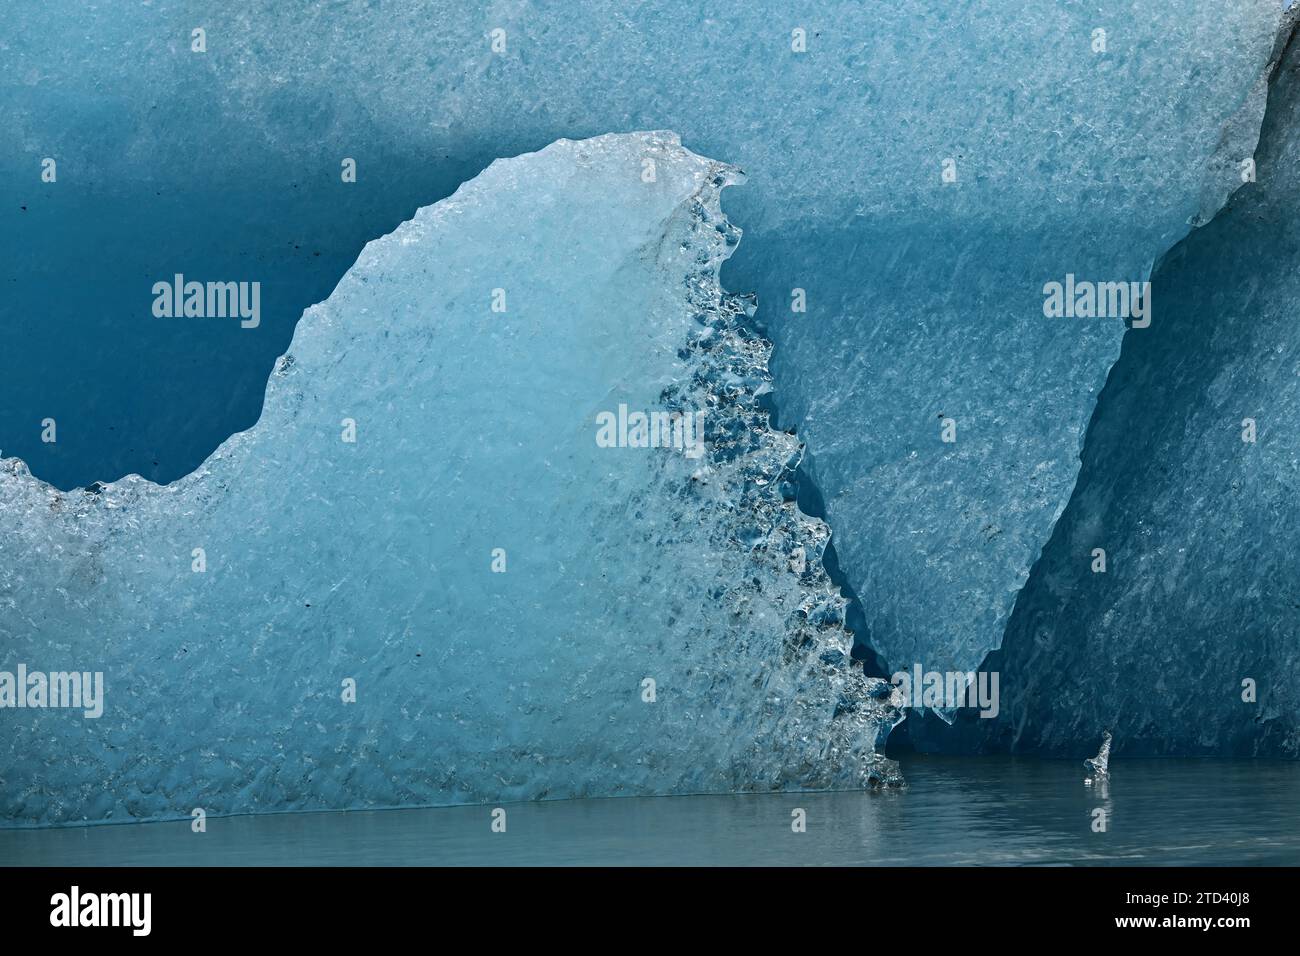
[
  {"x": 470, "y": 354},
  {"x": 943, "y": 411},
  {"x": 1185, "y": 640},
  {"x": 918, "y": 170}
]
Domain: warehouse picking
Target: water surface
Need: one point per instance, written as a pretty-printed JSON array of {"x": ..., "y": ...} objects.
[{"x": 987, "y": 810}]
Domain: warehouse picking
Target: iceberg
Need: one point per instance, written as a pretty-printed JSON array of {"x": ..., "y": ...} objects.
[
  {"x": 423, "y": 578},
  {"x": 919, "y": 172},
  {"x": 922, "y": 176}
]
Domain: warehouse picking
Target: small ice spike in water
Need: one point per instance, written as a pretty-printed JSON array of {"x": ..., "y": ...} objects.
[{"x": 1099, "y": 765}]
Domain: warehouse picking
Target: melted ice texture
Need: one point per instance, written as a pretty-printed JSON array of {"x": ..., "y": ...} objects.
[{"x": 329, "y": 560}]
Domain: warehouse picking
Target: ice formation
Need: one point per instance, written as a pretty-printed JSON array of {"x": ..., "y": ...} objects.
[
  {"x": 1183, "y": 640},
  {"x": 655, "y": 621},
  {"x": 918, "y": 171},
  {"x": 943, "y": 410},
  {"x": 1099, "y": 766}
]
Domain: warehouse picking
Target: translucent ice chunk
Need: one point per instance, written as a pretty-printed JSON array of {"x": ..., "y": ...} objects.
[
  {"x": 425, "y": 518},
  {"x": 1099, "y": 766}
]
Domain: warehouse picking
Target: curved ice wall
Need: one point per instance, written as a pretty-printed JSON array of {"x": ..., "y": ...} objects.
[
  {"x": 919, "y": 171},
  {"x": 434, "y": 507}
]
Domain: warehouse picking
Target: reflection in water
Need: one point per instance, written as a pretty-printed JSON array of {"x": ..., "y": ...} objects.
[{"x": 1099, "y": 779}]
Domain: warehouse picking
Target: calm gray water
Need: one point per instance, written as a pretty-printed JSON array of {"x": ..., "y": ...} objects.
[{"x": 954, "y": 811}]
